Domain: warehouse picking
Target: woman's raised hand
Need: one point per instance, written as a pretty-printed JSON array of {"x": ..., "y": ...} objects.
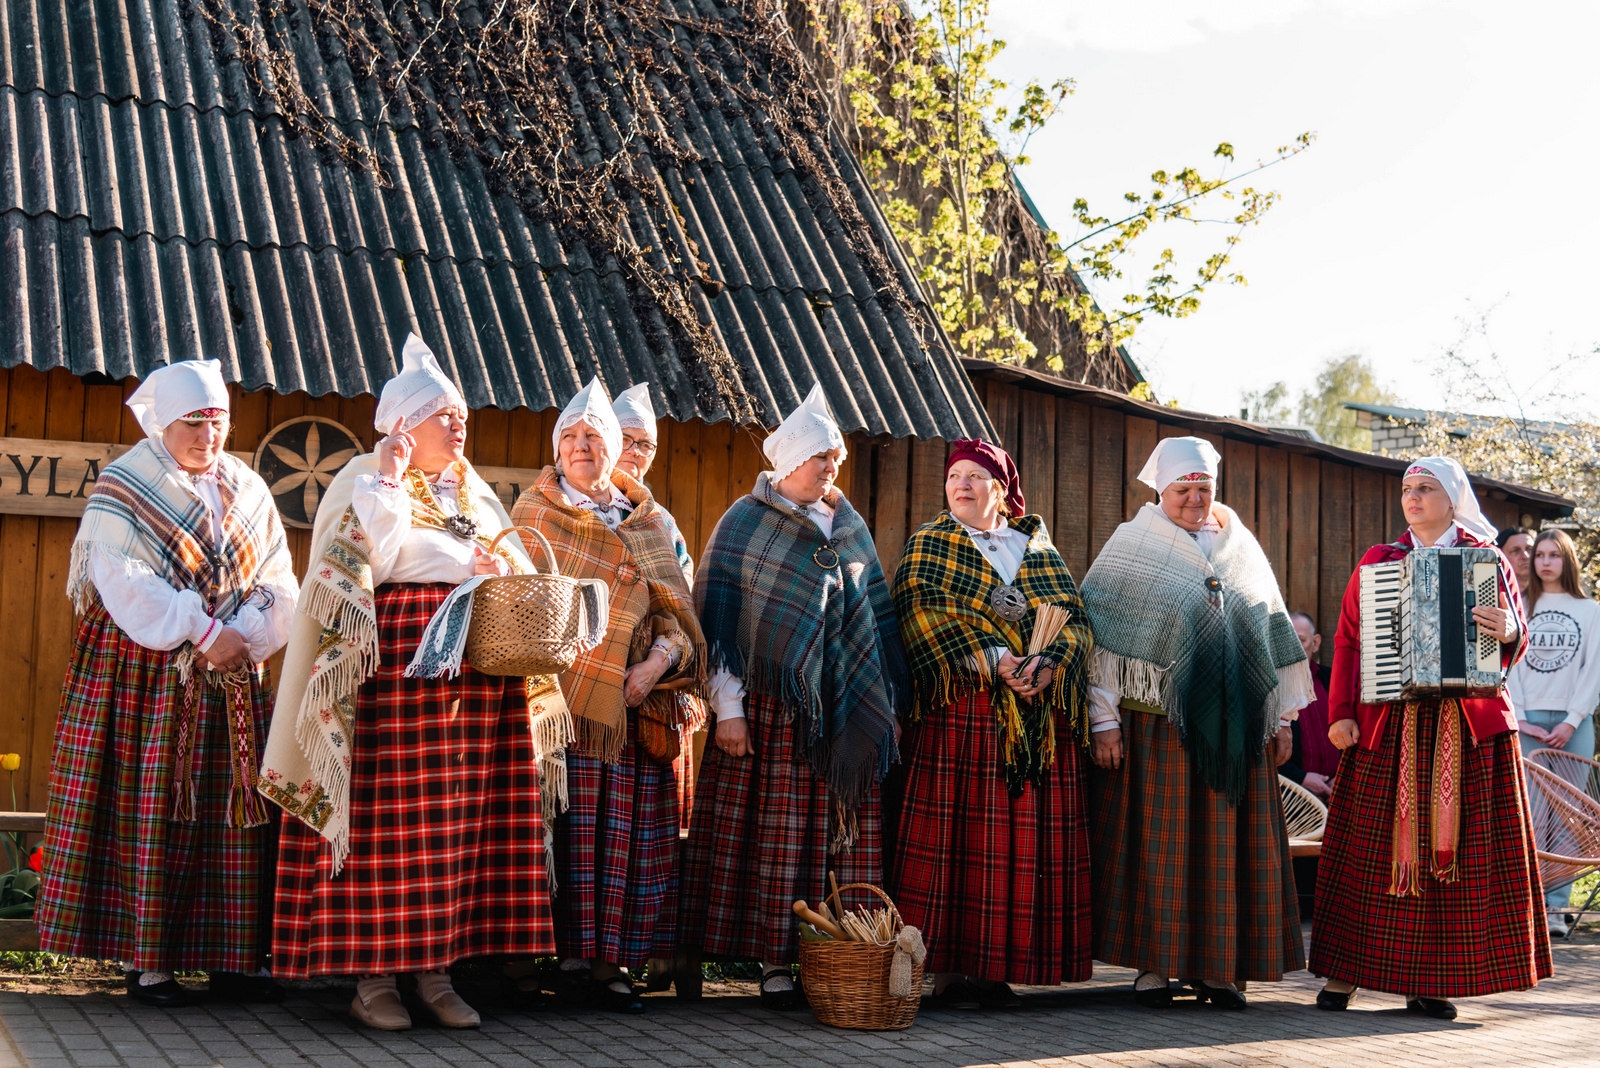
[{"x": 394, "y": 454}]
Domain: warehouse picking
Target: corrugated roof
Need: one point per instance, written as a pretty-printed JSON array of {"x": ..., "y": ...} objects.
[{"x": 156, "y": 204}]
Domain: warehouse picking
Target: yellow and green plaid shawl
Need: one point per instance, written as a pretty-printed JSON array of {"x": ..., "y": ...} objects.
[
  {"x": 941, "y": 591},
  {"x": 650, "y": 598}
]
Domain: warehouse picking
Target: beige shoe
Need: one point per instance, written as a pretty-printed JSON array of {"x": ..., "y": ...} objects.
[
  {"x": 451, "y": 1011},
  {"x": 381, "y": 1012},
  {"x": 441, "y": 999}
]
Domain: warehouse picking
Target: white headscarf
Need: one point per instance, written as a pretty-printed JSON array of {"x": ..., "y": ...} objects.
[
  {"x": 1174, "y": 458},
  {"x": 634, "y": 409},
  {"x": 1453, "y": 477},
  {"x": 419, "y": 390},
  {"x": 592, "y": 405},
  {"x": 807, "y": 431},
  {"x": 169, "y": 393}
]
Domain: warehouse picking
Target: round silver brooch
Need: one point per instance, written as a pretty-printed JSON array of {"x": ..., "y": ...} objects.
[
  {"x": 1008, "y": 603},
  {"x": 462, "y": 527},
  {"x": 825, "y": 557}
]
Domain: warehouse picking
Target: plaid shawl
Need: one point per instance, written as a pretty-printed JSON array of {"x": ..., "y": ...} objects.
[
  {"x": 333, "y": 651},
  {"x": 650, "y": 599},
  {"x": 1209, "y": 641},
  {"x": 941, "y": 591},
  {"x": 823, "y": 641},
  {"x": 144, "y": 511}
]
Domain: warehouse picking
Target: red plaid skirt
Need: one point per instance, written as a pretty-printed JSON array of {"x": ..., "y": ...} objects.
[
  {"x": 617, "y": 860},
  {"x": 446, "y": 844},
  {"x": 121, "y": 879},
  {"x": 760, "y": 838},
  {"x": 998, "y": 885},
  {"x": 1184, "y": 884},
  {"x": 1479, "y": 935}
]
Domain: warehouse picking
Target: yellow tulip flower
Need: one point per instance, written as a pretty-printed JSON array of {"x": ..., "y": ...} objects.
[{"x": 11, "y": 761}]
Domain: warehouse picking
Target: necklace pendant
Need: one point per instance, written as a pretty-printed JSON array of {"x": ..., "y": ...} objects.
[{"x": 463, "y": 527}]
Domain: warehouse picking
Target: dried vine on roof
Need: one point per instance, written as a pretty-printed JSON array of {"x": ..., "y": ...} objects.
[{"x": 574, "y": 109}]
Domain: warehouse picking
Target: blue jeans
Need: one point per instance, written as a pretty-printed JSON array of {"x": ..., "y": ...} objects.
[{"x": 1581, "y": 743}]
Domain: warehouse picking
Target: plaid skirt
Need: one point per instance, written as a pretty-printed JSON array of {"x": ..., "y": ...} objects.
[
  {"x": 446, "y": 842},
  {"x": 1185, "y": 885},
  {"x": 121, "y": 880},
  {"x": 998, "y": 885},
  {"x": 760, "y": 839},
  {"x": 617, "y": 860},
  {"x": 1479, "y": 935}
]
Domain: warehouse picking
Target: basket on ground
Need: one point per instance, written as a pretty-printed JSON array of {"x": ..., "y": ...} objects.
[
  {"x": 533, "y": 624},
  {"x": 847, "y": 983}
]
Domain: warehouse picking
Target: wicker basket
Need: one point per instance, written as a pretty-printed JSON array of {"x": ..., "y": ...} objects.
[
  {"x": 527, "y": 624},
  {"x": 847, "y": 983}
]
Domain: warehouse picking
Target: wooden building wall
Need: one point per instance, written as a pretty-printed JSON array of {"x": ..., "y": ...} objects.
[
  {"x": 698, "y": 472},
  {"x": 1079, "y": 460},
  {"x": 1078, "y": 457}
]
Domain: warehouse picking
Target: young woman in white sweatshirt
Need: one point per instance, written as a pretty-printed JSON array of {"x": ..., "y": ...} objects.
[{"x": 1556, "y": 686}]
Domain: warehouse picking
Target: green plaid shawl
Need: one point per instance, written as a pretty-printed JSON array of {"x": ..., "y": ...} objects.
[
  {"x": 823, "y": 641},
  {"x": 941, "y": 591}
]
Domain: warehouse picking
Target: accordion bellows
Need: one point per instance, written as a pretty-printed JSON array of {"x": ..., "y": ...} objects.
[{"x": 1418, "y": 637}]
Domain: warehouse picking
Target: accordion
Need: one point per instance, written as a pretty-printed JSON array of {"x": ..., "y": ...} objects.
[{"x": 1418, "y": 637}]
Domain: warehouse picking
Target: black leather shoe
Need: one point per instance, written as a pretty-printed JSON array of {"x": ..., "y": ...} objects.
[
  {"x": 238, "y": 987},
  {"x": 167, "y": 995},
  {"x": 624, "y": 1001},
  {"x": 959, "y": 995},
  {"x": 997, "y": 995},
  {"x": 1327, "y": 999},
  {"x": 1435, "y": 1008},
  {"x": 775, "y": 997},
  {"x": 1219, "y": 996},
  {"x": 1157, "y": 997}
]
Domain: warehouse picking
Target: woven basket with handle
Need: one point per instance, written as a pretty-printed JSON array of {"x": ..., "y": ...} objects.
[
  {"x": 531, "y": 624},
  {"x": 847, "y": 983}
]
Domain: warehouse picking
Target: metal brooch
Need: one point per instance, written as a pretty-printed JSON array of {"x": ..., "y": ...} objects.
[
  {"x": 463, "y": 527},
  {"x": 1008, "y": 603},
  {"x": 825, "y": 557}
]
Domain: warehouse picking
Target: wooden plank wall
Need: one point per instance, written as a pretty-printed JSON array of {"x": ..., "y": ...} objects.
[
  {"x": 1078, "y": 459},
  {"x": 699, "y": 471}
]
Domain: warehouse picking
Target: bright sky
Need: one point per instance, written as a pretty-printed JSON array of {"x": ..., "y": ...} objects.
[{"x": 1451, "y": 176}]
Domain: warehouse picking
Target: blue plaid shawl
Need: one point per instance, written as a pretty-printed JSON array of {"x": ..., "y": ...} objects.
[{"x": 824, "y": 641}]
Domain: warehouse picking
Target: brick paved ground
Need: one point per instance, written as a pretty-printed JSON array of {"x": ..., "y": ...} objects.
[{"x": 1095, "y": 1024}]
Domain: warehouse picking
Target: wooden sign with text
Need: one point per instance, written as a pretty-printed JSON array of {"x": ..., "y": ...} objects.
[{"x": 55, "y": 478}]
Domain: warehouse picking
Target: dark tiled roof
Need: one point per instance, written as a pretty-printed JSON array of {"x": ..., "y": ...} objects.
[{"x": 156, "y": 203}]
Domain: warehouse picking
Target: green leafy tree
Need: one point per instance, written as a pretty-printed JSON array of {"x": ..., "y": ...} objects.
[
  {"x": 1322, "y": 407},
  {"x": 939, "y": 134},
  {"x": 1268, "y": 405}
]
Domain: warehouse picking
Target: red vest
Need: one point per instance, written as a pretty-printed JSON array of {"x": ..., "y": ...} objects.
[{"x": 1486, "y": 716}]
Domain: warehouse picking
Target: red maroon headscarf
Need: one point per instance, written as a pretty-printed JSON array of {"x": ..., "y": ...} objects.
[{"x": 997, "y": 462}]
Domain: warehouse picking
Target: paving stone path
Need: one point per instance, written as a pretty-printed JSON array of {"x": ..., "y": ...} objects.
[{"x": 1091, "y": 1024}]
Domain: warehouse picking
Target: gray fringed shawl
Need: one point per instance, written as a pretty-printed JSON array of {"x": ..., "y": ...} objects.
[{"x": 1209, "y": 641}]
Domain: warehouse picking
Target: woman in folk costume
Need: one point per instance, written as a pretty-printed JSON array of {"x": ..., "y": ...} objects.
[
  {"x": 992, "y": 861},
  {"x": 1196, "y": 674},
  {"x": 156, "y": 846},
  {"x": 637, "y": 418},
  {"x": 1428, "y": 885},
  {"x": 808, "y": 677},
  {"x": 617, "y": 846},
  {"x": 419, "y": 837}
]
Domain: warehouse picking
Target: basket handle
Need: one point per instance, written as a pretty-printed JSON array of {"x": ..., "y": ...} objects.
[
  {"x": 550, "y": 554},
  {"x": 836, "y": 904}
]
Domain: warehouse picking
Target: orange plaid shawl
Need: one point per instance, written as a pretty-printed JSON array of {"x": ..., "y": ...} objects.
[{"x": 649, "y": 599}]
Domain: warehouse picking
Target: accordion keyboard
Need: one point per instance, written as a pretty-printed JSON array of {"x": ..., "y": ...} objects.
[{"x": 1381, "y": 663}]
